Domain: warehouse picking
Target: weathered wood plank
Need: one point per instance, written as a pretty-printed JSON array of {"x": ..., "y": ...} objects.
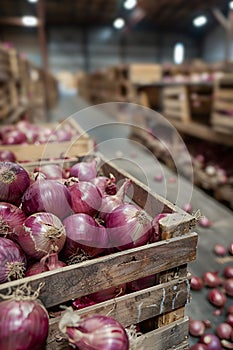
[{"x": 77, "y": 280}]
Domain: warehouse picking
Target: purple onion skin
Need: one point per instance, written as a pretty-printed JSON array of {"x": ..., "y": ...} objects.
[
  {"x": 84, "y": 171},
  {"x": 211, "y": 341},
  {"x": 7, "y": 156},
  {"x": 11, "y": 219},
  {"x": 85, "y": 198},
  {"x": 24, "y": 325},
  {"x": 106, "y": 334},
  {"x": 142, "y": 283},
  {"x": 156, "y": 236},
  {"x": 82, "y": 302},
  {"x": 47, "y": 196},
  {"x": 10, "y": 255},
  {"x": 14, "y": 180},
  {"x": 128, "y": 227},
  {"x": 83, "y": 232}
]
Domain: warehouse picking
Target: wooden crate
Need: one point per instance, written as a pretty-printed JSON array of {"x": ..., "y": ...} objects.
[
  {"x": 162, "y": 304},
  {"x": 222, "y": 112},
  {"x": 175, "y": 103},
  {"x": 144, "y": 73},
  {"x": 78, "y": 146}
]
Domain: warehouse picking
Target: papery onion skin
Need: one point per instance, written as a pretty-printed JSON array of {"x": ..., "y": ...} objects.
[
  {"x": 128, "y": 227},
  {"x": 82, "y": 302},
  {"x": 14, "y": 180},
  {"x": 196, "y": 283},
  {"x": 211, "y": 341},
  {"x": 85, "y": 198},
  {"x": 24, "y": 325},
  {"x": 99, "y": 333},
  {"x": 52, "y": 171},
  {"x": 11, "y": 219},
  {"x": 156, "y": 234},
  {"x": 41, "y": 234},
  {"x": 105, "y": 185},
  {"x": 47, "y": 263},
  {"x": 12, "y": 260},
  {"x": 83, "y": 232},
  {"x": 84, "y": 171},
  {"x": 49, "y": 196},
  {"x": 196, "y": 328}
]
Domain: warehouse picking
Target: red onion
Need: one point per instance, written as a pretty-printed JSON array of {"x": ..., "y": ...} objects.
[
  {"x": 196, "y": 328},
  {"x": 223, "y": 330},
  {"x": 156, "y": 234},
  {"x": 230, "y": 309},
  {"x": 217, "y": 297},
  {"x": 205, "y": 222},
  {"x": 83, "y": 232},
  {"x": 159, "y": 177},
  {"x": 12, "y": 261},
  {"x": 82, "y": 302},
  {"x": 47, "y": 195},
  {"x": 108, "y": 293},
  {"x": 220, "y": 250},
  {"x": 94, "y": 332},
  {"x": 196, "y": 283},
  {"x": 14, "y": 180},
  {"x": 84, "y": 171},
  {"x": 105, "y": 185},
  {"x": 228, "y": 286},
  {"x": 211, "y": 341},
  {"x": 188, "y": 208},
  {"x": 199, "y": 346},
  {"x": 228, "y": 271},
  {"x": 142, "y": 283},
  {"x": 41, "y": 234},
  {"x": 52, "y": 171},
  {"x": 11, "y": 219},
  {"x": 211, "y": 279},
  {"x": 85, "y": 197},
  {"x": 24, "y": 323},
  {"x": 63, "y": 135},
  {"x": 230, "y": 319},
  {"x": 14, "y": 137},
  {"x": 109, "y": 203},
  {"x": 128, "y": 227},
  {"x": 7, "y": 156},
  {"x": 47, "y": 263},
  {"x": 230, "y": 248}
]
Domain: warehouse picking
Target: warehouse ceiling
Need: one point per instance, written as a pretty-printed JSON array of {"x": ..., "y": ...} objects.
[{"x": 165, "y": 14}]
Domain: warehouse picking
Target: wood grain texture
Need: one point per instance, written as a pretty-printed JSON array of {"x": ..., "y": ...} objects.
[{"x": 87, "y": 277}]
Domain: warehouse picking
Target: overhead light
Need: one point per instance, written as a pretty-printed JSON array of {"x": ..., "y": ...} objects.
[
  {"x": 179, "y": 53},
  {"x": 130, "y": 4},
  {"x": 119, "y": 23},
  {"x": 200, "y": 21},
  {"x": 30, "y": 21},
  {"x": 231, "y": 5},
  {"x": 33, "y": 1}
]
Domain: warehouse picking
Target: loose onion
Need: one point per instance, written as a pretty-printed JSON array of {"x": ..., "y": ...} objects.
[
  {"x": 199, "y": 346},
  {"x": 217, "y": 297},
  {"x": 24, "y": 324},
  {"x": 11, "y": 219},
  {"x": 196, "y": 283},
  {"x": 211, "y": 341},
  {"x": 84, "y": 171},
  {"x": 12, "y": 261},
  {"x": 128, "y": 227},
  {"x": 14, "y": 137},
  {"x": 41, "y": 234},
  {"x": 220, "y": 250},
  {"x": 230, "y": 319},
  {"x": 228, "y": 272},
  {"x": 47, "y": 195},
  {"x": 196, "y": 328},
  {"x": 230, "y": 309},
  {"x": 211, "y": 279},
  {"x": 188, "y": 208},
  {"x": 94, "y": 332},
  {"x": 83, "y": 232},
  {"x": 7, "y": 156},
  {"x": 228, "y": 286},
  {"x": 230, "y": 248},
  {"x": 14, "y": 180},
  {"x": 205, "y": 222},
  {"x": 223, "y": 330}
]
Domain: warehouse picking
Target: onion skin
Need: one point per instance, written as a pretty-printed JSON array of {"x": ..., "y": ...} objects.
[
  {"x": 11, "y": 219},
  {"x": 41, "y": 234},
  {"x": 128, "y": 227},
  {"x": 82, "y": 302},
  {"x": 12, "y": 260},
  {"x": 217, "y": 297},
  {"x": 142, "y": 283},
  {"x": 223, "y": 330},
  {"x": 228, "y": 286},
  {"x": 85, "y": 198},
  {"x": 107, "y": 294},
  {"x": 52, "y": 171},
  {"x": 211, "y": 341},
  {"x": 211, "y": 279},
  {"x": 205, "y": 222},
  {"x": 83, "y": 232},
  {"x": 95, "y": 332},
  {"x": 220, "y": 250},
  {"x": 156, "y": 234},
  {"x": 49, "y": 196},
  {"x": 24, "y": 325},
  {"x": 14, "y": 180},
  {"x": 228, "y": 272},
  {"x": 196, "y": 328},
  {"x": 84, "y": 171},
  {"x": 196, "y": 283},
  {"x": 199, "y": 346},
  {"x": 47, "y": 263},
  {"x": 7, "y": 156}
]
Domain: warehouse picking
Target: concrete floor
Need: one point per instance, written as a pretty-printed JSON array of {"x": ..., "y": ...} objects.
[{"x": 112, "y": 139}]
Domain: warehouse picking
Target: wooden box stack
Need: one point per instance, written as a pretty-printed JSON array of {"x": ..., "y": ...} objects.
[{"x": 161, "y": 308}]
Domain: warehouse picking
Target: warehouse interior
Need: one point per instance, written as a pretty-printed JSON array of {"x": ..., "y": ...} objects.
[{"x": 148, "y": 86}]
